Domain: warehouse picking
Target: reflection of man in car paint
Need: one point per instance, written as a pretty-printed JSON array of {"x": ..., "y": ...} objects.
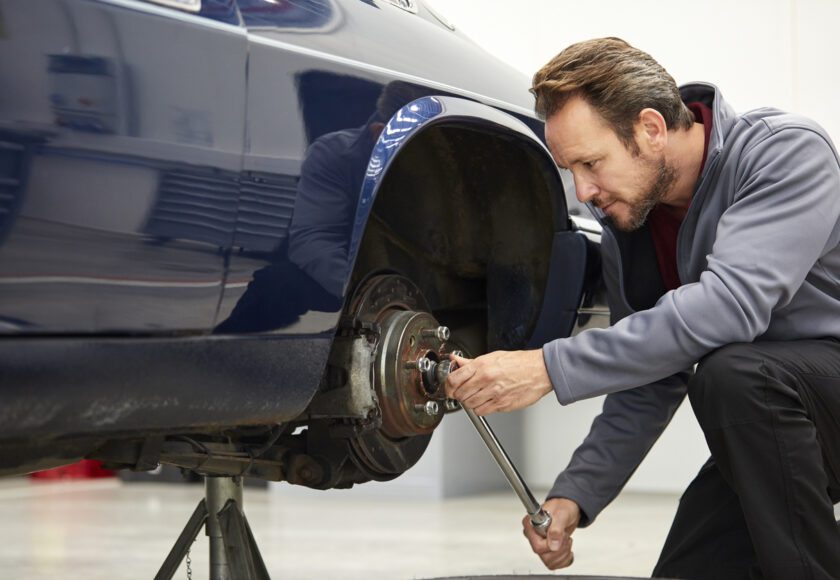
[
  {"x": 328, "y": 192},
  {"x": 749, "y": 289},
  {"x": 309, "y": 270}
]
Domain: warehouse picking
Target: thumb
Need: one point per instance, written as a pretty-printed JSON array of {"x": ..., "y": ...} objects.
[
  {"x": 459, "y": 360},
  {"x": 556, "y": 533}
]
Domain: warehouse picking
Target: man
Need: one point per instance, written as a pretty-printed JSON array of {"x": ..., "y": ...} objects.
[{"x": 720, "y": 247}]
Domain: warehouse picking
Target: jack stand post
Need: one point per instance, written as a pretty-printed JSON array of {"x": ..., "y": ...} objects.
[{"x": 234, "y": 554}]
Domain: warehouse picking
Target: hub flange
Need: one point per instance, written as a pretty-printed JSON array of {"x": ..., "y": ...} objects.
[{"x": 403, "y": 387}]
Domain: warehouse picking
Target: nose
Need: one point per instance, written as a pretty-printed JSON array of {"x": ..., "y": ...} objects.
[{"x": 586, "y": 189}]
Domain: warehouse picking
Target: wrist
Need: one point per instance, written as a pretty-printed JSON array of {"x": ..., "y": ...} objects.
[{"x": 541, "y": 375}]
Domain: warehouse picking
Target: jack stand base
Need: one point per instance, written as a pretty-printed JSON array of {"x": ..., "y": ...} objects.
[{"x": 233, "y": 552}]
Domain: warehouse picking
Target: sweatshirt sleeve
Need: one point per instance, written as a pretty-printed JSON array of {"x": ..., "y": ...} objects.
[
  {"x": 783, "y": 218},
  {"x": 629, "y": 424}
]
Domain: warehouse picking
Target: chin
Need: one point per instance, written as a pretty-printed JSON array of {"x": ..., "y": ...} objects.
[{"x": 624, "y": 222}]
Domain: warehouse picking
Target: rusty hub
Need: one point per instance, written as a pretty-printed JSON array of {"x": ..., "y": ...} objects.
[
  {"x": 403, "y": 388},
  {"x": 409, "y": 396}
]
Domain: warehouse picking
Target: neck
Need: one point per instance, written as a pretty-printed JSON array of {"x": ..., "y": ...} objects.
[{"x": 686, "y": 155}]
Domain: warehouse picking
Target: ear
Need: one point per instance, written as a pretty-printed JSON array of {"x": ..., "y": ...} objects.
[{"x": 651, "y": 130}]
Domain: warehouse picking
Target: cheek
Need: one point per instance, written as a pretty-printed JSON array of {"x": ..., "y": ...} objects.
[
  {"x": 632, "y": 185},
  {"x": 610, "y": 184}
]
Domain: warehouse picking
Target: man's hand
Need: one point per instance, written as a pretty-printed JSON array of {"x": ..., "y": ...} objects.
[
  {"x": 499, "y": 381},
  {"x": 555, "y": 550}
]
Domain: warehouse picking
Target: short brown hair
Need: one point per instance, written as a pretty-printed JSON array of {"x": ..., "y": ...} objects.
[{"x": 616, "y": 79}]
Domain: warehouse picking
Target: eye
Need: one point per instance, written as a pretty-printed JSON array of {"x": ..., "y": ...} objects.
[{"x": 590, "y": 164}]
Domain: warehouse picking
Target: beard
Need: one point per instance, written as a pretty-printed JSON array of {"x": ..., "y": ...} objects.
[{"x": 659, "y": 184}]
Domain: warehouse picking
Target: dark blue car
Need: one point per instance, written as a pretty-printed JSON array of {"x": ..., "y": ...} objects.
[{"x": 230, "y": 228}]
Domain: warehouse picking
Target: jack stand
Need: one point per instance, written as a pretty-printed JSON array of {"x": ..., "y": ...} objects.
[{"x": 233, "y": 552}]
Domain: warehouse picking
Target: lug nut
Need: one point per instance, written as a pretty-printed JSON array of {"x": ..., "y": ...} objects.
[
  {"x": 441, "y": 333},
  {"x": 422, "y": 364},
  {"x": 451, "y": 405},
  {"x": 459, "y": 353},
  {"x": 431, "y": 408}
]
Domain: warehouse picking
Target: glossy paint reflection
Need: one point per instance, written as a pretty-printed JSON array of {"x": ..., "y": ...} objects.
[
  {"x": 164, "y": 171},
  {"x": 131, "y": 148},
  {"x": 307, "y": 15},
  {"x": 309, "y": 269}
]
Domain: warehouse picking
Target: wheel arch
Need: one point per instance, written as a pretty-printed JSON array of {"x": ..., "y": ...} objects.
[{"x": 465, "y": 200}]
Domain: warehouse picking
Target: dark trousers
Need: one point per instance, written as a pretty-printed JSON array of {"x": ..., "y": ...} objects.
[{"x": 762, "y": 506}]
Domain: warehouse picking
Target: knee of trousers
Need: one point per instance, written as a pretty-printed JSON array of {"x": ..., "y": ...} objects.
[{"x": 730, "y": 386}]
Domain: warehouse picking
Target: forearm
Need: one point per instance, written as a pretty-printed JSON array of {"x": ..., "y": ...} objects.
[{"x": 620, "y": 437}]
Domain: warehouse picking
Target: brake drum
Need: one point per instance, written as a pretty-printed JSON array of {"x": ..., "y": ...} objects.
[{"x": 411, "y": 401}]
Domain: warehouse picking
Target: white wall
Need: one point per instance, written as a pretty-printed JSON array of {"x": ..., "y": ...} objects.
[{"x": 759, "y": 52}]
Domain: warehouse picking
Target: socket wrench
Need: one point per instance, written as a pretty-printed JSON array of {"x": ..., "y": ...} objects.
[{"x": 540, "y": 519}]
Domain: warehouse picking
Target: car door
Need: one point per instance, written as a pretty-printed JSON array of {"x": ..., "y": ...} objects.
[{"x": 121, "y": 140}]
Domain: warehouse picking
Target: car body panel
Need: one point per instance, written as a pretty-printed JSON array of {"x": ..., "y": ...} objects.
[
  {"x": 154, "y": 385},
  {"x": 333, "y": 67},
  {"x": 188, "y": 198},
  {"x": 132, "y": 178}
]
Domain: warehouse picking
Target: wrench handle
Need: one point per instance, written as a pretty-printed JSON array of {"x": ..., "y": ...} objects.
[
  {"x": 536, "y": 513},
  {"x": 540, "y": 519}
]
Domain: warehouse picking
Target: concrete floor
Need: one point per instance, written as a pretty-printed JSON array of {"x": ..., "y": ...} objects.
[{"x": 102, "y": 529}]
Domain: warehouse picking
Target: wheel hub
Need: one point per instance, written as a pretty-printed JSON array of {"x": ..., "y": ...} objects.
[
  {"x": 411, "y": 398},
  {"x": 403, "y": 385}
]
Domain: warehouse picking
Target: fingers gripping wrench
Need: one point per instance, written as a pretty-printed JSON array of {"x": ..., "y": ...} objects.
[{"x": 540, "y": 519}]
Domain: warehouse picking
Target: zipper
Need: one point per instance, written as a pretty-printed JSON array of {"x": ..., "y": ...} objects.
[{"x": 696, "y": 202}]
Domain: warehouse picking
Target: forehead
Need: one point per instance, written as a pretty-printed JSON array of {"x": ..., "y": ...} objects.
[{"x": 577, "y": 132}]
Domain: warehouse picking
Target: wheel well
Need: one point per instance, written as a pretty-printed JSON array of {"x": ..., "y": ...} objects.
[{"x": 469, "y": 215}]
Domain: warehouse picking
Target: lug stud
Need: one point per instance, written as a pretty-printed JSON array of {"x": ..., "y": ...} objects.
[
  {"x": 431, "y": 408},
  {"x": 422, "y": 364},
  {"x": 441, "y": 333}
]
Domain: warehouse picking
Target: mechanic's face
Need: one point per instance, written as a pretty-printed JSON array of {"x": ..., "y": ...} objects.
[{"x": 625, "y": 185}]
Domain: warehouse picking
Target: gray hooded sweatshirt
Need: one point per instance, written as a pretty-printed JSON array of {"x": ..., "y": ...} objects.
[{"x": 758, "y": 259}]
